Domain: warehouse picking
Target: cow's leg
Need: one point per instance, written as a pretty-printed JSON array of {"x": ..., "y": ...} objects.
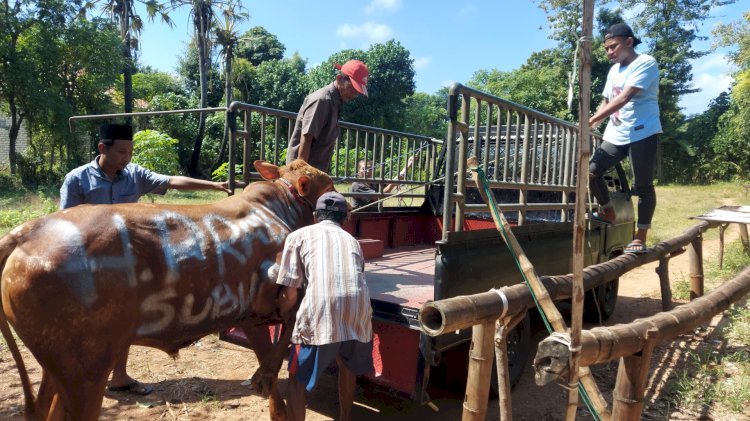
[
  {"x": 62, "y": 400},
  {"x": 260, "y": 343},
  {"x": 49, "y": 404},
  {"x": 72, "y": 386},
  {"x": 83, "y": 396}
]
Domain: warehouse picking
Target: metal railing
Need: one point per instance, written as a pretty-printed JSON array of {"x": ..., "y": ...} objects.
[
  {"x": 520, "y": 150},
  {"x": 265, "y": 132}
]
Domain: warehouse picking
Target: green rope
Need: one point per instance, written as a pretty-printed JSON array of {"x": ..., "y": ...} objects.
[{"x": 496, "y": 213}]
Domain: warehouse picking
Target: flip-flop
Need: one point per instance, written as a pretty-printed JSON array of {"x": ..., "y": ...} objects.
[
  {"x": 135, "y": 387},
  {"x": 636, "y": 247}
]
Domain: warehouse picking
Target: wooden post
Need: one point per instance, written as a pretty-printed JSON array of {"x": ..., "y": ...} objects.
[
  {"x": 631, "y": 382},
  {"x": 722, "y": 227},
  {"x": 744, "y": 237},
  {"x": 695, "y": 258},
  {"x": 666, "y": 290},
  {"x": 579, "y": 227},
  {"x": 480, "y": 372}
]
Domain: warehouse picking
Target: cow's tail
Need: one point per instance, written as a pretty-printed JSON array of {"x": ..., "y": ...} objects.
[{"x": 7, "y": 245}]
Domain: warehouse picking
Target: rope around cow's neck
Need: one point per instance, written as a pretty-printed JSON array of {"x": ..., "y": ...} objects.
[{"x": 295, "y": 194}]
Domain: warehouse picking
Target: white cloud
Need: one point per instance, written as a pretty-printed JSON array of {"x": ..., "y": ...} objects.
[
  {"x": 711, "y": 62},
  {"x": 711, "y": 74},
  {"x": 447, "y": 83},
  {"x": 421, "y": 62},
  {"x": 373, "y": 32},
  {"x": 388, "y": 5}
]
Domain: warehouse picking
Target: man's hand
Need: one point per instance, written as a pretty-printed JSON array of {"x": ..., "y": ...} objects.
[{"x": 223, "y": 186}]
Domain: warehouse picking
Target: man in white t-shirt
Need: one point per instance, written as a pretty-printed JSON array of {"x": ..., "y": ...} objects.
[{"x": 631, "y": 97}]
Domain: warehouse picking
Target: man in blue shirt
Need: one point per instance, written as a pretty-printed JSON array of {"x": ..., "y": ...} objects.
[
  {"x": 631, "y": 96},
  {"x": 109, "y": 179}
]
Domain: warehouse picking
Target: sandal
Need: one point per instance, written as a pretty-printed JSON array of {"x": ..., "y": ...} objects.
[
  {"x": 636, "y": 247},
  {"x": 135, "y": 387}
]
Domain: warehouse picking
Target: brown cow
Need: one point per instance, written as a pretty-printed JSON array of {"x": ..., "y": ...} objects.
[{"x": 81, "y": 285}]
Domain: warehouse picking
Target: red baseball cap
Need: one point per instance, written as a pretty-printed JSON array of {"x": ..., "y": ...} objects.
[{"x": 357, "y": 72}]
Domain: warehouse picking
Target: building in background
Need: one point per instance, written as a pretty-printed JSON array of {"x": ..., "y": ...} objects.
[{"x": 21, "y": 143}]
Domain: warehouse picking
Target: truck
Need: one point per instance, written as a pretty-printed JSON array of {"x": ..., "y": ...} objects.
[{"x": 436, "y": 240}]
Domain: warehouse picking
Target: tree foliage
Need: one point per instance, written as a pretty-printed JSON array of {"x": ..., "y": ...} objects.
[
  {"x": 732, "y": 141},
  {"x": 187, "y": 69},
  {"x": 76, "y": 65},
  {"x": 426, "y": 114},
  {"x": 257, "y": 45},
  {"x": 148, "y": 84},
  {"x": 17, "y": 82},
  {"x": 696, "y": 160},
  {"x": 177, "y": 126},
  {"x": 277, "y": 84}
]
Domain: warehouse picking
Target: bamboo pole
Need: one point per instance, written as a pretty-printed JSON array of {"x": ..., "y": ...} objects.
[
  {"x": 695, "y": 259},
  {"x": 461, "y": 312},
  {"x": 603, "y": 344},
  {"x": 503, "y": 376},
  {"x": 543, "y": 298},
  {"x": 666, "y": 290},
  {"x": 579, "y": 230},
  {"x": 480, "y": 372},
  {"x": 632, "y": 375},
  {"x": 502, "y": 327}
]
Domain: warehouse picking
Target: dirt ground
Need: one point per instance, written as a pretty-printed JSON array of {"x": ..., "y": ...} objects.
[{"x": 204, "y": 383}]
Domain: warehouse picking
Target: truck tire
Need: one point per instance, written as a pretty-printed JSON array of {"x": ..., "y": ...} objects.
[
  {"x": 599, "y": 303},
  {"x": 519, "y": 348}
]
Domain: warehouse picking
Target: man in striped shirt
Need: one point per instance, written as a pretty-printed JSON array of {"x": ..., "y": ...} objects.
[{"x": 334, "y": 317}]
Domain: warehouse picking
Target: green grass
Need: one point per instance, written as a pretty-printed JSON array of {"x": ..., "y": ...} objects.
[
  {"x": 717, "y": 377},
  {"x": 735, "y": 260},
  {"x": 676, "y": 204}
]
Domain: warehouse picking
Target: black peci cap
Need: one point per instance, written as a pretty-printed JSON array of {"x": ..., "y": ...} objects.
[{"x": 113, "y": 132}]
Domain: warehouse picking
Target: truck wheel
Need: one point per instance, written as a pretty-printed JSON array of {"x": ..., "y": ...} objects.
[
  {"x": 599, "y": 303},
  {"x": 519, "y": 347}
]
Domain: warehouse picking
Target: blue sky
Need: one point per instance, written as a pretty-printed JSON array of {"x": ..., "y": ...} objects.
[{"x": 448, "y": 40}]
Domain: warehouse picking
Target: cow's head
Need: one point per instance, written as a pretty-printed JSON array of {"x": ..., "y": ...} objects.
[{"x": 309, "y": 181}]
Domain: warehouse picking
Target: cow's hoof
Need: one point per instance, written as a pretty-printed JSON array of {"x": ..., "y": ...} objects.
[{"x": 262, "y": 383}]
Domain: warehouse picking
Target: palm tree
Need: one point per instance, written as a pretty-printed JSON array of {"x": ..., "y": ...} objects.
[
  {"x": 122, "y": 12},
  {"x": 202, "y": 15},
  {"x": 227, "y": 37}
]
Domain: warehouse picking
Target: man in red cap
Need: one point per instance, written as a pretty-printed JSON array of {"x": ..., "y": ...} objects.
[{"x": 317, "y": 127}]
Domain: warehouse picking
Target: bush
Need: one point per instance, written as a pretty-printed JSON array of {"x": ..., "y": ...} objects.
[
  {"x": 7, "y": 181},
  {"x": 33, "y": 173},
  {"x": 222, "y": 173},
  {"x": 156, "y": 151}
]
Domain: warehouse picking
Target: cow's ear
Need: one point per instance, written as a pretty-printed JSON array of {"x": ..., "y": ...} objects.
[
  {"x": 267, "y": 170},
  {"x": 303, "y": 185}
]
